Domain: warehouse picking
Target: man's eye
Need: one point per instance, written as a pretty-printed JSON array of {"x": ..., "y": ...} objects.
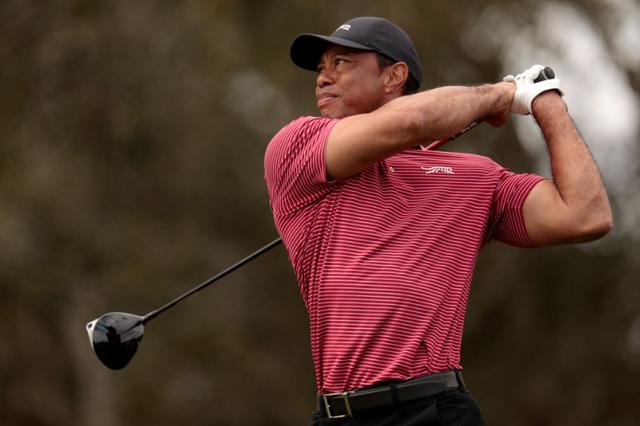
[{"x": 320, "y": 69}]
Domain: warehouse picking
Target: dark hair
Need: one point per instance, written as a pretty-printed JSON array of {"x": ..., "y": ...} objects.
[{"x": 410, "y": 87}]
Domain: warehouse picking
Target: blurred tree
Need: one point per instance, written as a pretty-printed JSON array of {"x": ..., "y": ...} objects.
[{"x": 131, "y": 143}]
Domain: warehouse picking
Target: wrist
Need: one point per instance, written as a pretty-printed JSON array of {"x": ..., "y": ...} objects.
[
  {"x": 498, "y": 103},
  {"x": 548, "y": 103},
  {"x": 505, "y": 92}
]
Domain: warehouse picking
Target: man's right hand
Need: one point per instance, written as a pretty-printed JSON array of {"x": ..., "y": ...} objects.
[{"x": 503, "y": 104}]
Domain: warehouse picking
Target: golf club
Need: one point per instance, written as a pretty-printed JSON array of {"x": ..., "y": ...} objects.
[{"x": 115, "y": 336}]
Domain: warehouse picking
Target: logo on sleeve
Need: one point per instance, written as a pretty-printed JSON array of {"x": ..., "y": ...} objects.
[{"x": 438, "y": 169}]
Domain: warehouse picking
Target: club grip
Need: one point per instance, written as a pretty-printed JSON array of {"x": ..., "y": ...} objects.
[{"x": 546, "y": 74}]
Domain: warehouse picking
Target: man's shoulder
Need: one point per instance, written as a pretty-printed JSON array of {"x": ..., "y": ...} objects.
[
  {"x": 303, "y": 122},
  {"x": 300, "y": 130}
]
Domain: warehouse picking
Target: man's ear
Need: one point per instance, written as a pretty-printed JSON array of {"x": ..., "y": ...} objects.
[{"x": 395, "y": 77}]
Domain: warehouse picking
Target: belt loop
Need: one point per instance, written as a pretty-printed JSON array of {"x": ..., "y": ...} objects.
[
  {"x": 463, "y": 387},
  {"x": 394, "y": 393}
]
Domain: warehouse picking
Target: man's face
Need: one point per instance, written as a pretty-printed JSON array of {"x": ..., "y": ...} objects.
[{"x": 349, "y": 82}]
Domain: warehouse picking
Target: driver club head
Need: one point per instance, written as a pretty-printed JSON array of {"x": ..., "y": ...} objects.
[{"x": 115, "y": 337}]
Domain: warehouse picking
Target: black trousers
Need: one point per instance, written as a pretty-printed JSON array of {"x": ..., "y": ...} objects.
[{"x": 454, "y": 408}]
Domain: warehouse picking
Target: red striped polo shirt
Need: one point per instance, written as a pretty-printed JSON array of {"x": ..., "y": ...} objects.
[{"x": 384, "y": 259}]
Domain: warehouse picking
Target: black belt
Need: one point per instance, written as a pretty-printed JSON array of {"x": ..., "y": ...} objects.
[{"x": 348, "y": 404}]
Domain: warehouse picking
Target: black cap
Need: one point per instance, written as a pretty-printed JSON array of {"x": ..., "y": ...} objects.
[{"x": 364, "y": 33}]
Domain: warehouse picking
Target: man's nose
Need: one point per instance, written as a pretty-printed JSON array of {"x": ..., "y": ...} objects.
[{"x": 325, "y": 78}]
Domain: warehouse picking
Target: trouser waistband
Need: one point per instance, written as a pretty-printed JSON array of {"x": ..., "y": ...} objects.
[{"x": 348, "y": 404}]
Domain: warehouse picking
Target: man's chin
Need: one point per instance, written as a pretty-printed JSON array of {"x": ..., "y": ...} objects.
[{"x": 327, "y": 113}]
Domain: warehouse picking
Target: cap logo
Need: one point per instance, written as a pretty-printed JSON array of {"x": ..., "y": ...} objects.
[{"x": 345, "y": 27}]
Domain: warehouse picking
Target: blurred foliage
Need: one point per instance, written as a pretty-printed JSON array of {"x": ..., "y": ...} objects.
[{"x": 131, "y": 143}]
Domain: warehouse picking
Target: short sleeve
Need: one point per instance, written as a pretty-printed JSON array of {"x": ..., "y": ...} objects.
[
  {"x": 294, "y": 163},
  {"x": 506, "y": 220}
]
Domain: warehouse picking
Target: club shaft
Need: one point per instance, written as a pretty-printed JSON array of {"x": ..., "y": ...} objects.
[
  {"x": 148, "y": 317},
  {"x": 438, "y": 144}
]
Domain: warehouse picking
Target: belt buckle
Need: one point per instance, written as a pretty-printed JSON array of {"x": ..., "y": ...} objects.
[{"x": 327, "y": 406}]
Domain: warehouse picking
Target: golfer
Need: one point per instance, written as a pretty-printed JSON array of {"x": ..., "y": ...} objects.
[{"x": 383, "y": 235}]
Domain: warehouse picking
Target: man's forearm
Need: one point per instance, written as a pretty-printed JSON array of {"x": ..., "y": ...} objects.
[
  {"x": 575, "y": 173},
  {"x": 361, "y": 140},
  {"x": 444, "y": 111}
]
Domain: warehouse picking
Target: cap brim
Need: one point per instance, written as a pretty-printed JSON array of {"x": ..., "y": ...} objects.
[{"x": 307, "y": 49}]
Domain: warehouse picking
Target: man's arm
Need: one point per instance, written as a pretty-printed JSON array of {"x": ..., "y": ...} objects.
[
  {"x": 574, "y": 207},
  {"x": 361, "y": 140}
]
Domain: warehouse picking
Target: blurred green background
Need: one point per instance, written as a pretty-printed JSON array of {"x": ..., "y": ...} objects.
[{"x": 131, "y": 145}]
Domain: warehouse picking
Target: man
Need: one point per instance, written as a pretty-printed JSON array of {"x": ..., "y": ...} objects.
[{"x": 383, "y": 235}]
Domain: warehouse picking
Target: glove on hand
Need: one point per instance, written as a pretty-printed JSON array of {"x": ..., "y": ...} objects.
[{"x": 529, "y": 84}]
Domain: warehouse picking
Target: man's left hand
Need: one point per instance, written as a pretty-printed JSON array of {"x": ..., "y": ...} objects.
[{"x": 527, "y": 88}]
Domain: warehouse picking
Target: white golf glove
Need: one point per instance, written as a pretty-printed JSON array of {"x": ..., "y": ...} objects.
[{"x": 527, "y": 88}]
